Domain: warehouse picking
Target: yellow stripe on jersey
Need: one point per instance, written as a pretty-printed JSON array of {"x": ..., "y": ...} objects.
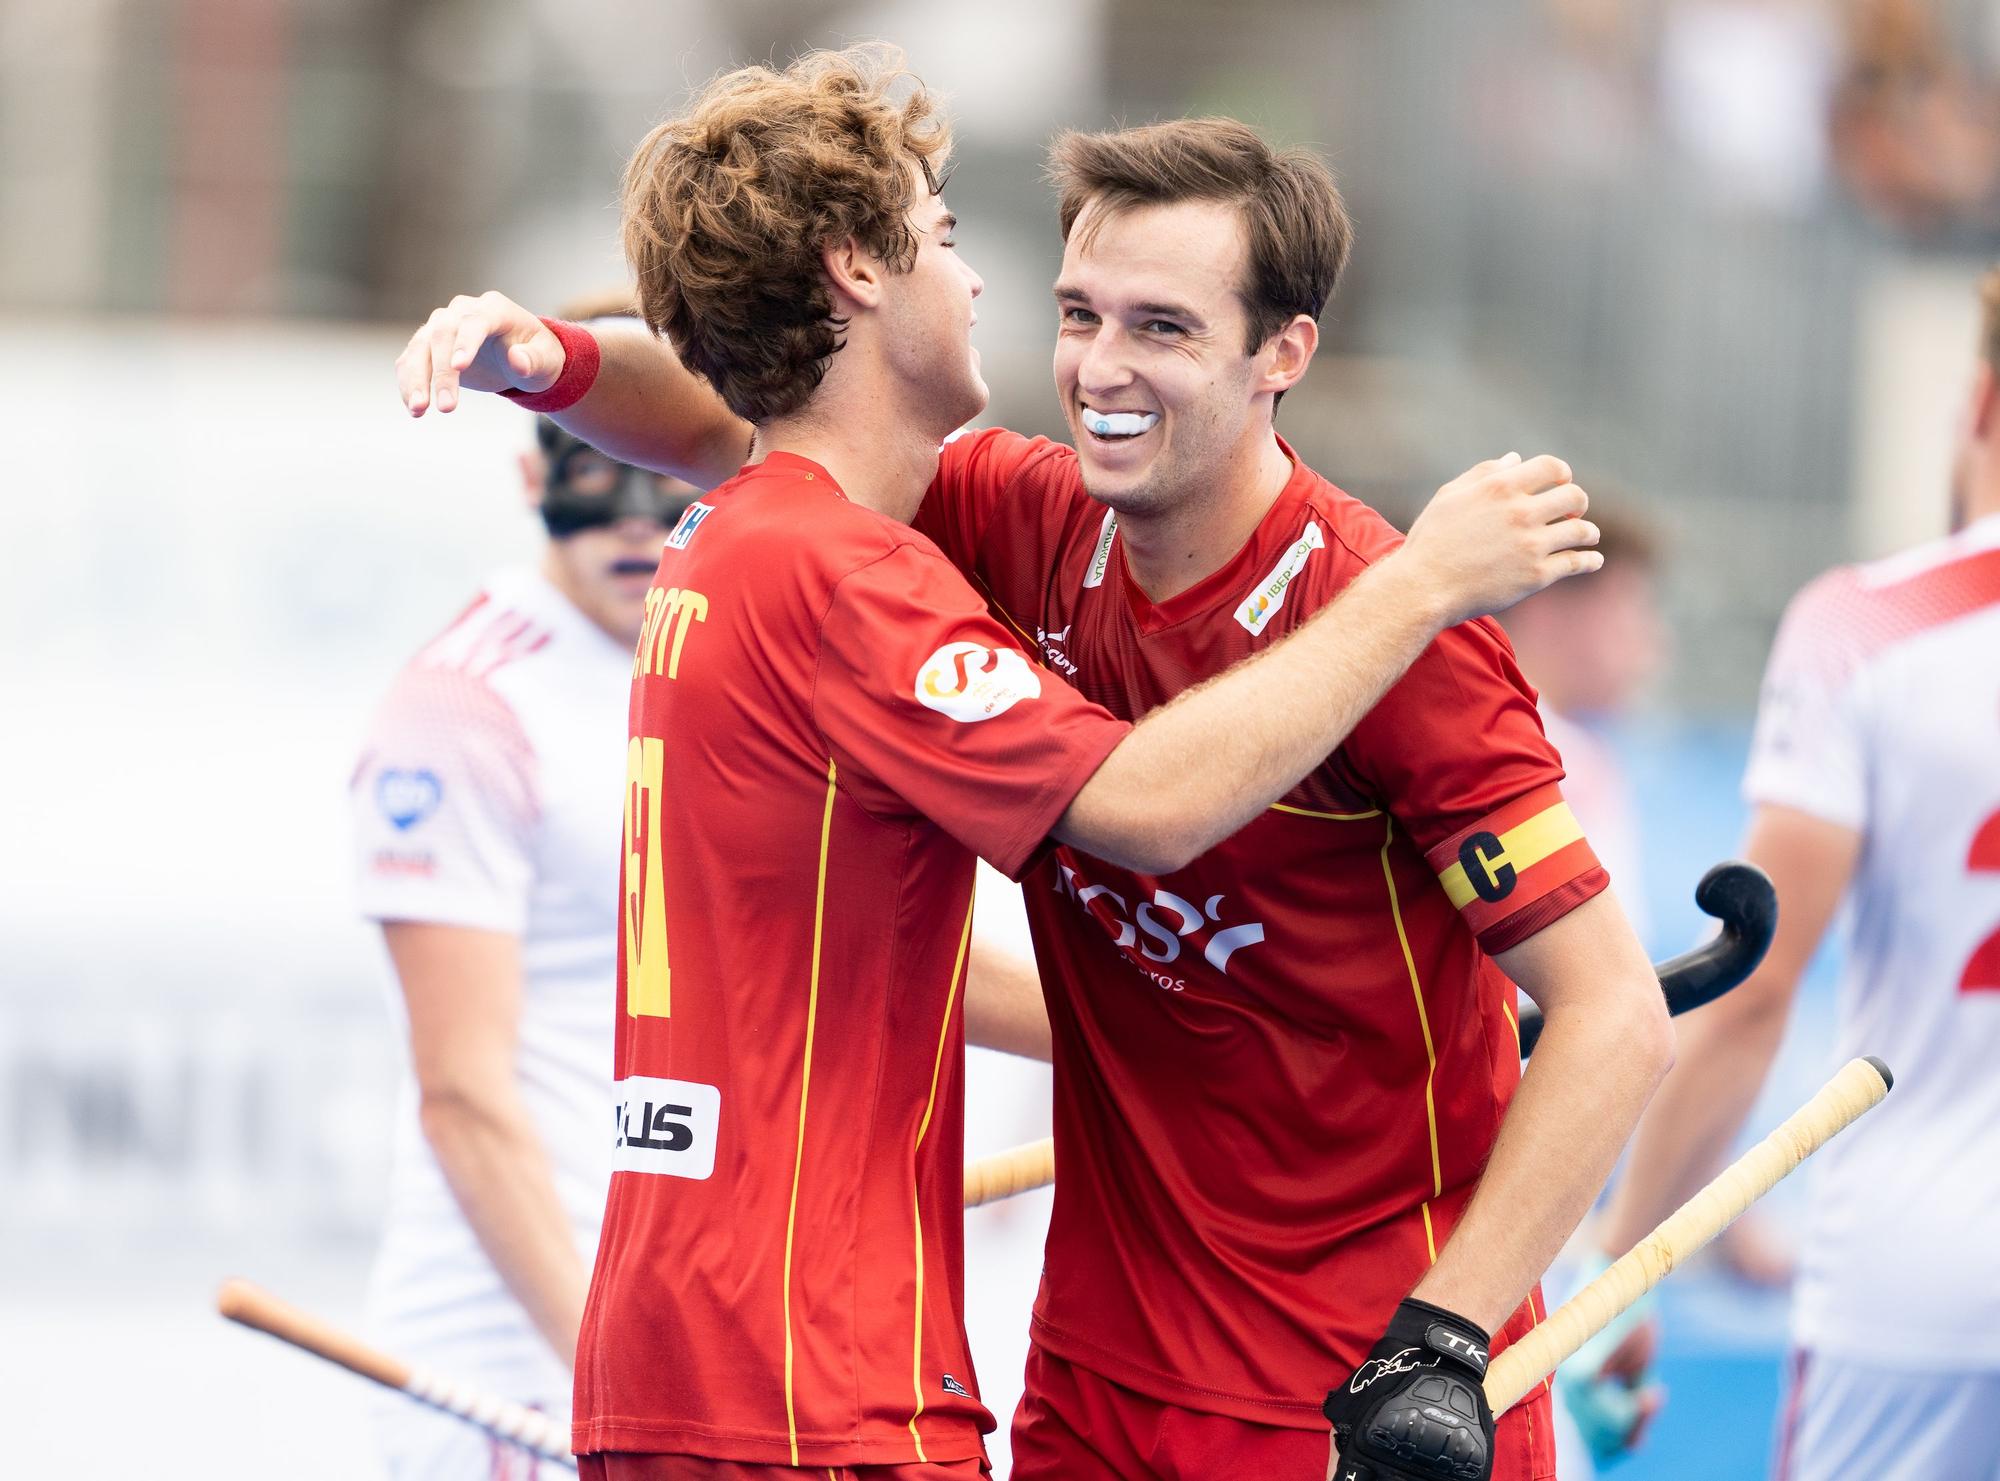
[
  {"x": 1522, "y": 847},
  {"x": 1423, "y": 1022},
  {"x": 937, "y": 1065},
  {"x": 1331, "y": 817},
  {"x": 805, "y": 1088}
]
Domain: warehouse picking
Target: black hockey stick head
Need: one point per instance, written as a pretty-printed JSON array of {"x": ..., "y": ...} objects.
[{"x": 1740, "y": 896}]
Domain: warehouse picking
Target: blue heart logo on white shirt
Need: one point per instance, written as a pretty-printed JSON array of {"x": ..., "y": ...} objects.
[{"x": 408, "y": 797}]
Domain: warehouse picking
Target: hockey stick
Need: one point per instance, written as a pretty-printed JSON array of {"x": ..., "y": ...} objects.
[
  {"x": 1016, "y": 1170},
  {"x": 1741, "y": 897},
  {"x": 986, "y": 1181},
  {"x": 255, "y": 1307},
  {"x": 1858, "y": 1088}
]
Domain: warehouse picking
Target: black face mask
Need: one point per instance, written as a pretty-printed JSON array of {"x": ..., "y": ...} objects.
[{"x": 587, "y": 490}]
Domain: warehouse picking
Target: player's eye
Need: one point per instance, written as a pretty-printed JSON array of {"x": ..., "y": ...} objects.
[
  {"x": 1071, "y": 314},
  {"x": 590, "y": 474},
  {"x": 1162, "y": 326}
]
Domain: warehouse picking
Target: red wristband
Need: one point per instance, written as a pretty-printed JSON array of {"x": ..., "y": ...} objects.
[{"x": 581, "y": 359}]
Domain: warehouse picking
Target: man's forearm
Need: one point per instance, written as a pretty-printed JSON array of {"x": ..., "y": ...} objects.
[
  {"x": 1579, "y": 1099},
  {"x": 1301, "y": 699},
  {"x": 1607, "y": 1044},
  {"x": 1004, "y": 1008},
  {"x": 500, "y": 1175},
  {"x": 638, "y": 410}
]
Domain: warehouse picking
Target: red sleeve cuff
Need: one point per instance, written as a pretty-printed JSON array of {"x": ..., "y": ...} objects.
[
  {"x": 1545, "y": 912},
  {"x": 581, "y": 360}
]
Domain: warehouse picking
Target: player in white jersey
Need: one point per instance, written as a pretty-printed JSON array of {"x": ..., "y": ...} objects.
[
  {"x": 487, "y": 807},
  {"x": 1875, "y": 777}
]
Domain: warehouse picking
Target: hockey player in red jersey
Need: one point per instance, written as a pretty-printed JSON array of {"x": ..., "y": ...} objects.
[{"x": 1294, "y": 1158}]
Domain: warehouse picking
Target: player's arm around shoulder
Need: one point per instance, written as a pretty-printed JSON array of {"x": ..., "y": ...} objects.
[
  {"x": 614, "y": 384},
  {"x": 1238, "y": 742}
]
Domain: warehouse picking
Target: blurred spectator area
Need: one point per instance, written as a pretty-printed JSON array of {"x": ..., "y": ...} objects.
[{"x": 1712, "y": 250}]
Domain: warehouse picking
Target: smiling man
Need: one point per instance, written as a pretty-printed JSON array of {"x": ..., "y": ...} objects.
[{"x": 1284, "y": 1058}]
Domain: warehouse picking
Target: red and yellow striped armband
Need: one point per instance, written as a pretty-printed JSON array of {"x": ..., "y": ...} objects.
[{"x": 1518, "y": 868}]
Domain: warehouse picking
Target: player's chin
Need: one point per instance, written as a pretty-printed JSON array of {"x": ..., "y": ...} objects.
[
  {"x": 1113, "y": 470},
  {"x": 963, "y": 402}
]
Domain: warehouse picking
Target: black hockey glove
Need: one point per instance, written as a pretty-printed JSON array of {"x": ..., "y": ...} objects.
[{"x": 1416, "y": 1411}]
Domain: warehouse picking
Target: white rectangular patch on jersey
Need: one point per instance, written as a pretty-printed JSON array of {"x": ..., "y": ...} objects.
[
  {"x": 666, "y": 1126},
  {"x": 1269, "y": 595},
  {"x": 691, "y": 519},
  {"x": 1102, "y": 557}
]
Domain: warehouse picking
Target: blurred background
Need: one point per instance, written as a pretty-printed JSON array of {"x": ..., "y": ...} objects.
[{"x": 1717, "y": 253}]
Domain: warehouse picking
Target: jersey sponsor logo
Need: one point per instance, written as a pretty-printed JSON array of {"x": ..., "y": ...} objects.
[
  {"x": 666, "y": 1127},
  {"x": 1052, "y": 650},
  {"x": 407, "y": 797},
  {"x": 1102, "y": 558},
  {"x": 970, "y": 683},
  {"x": 690, "y": 521},
  {"x": 953, "y": 1386},
  {"x": 1162, "y": 929},
  {"x": 1269, "y": 594}
]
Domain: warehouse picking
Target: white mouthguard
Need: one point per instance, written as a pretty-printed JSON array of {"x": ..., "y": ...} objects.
[{"x": 1119, "y": 423}]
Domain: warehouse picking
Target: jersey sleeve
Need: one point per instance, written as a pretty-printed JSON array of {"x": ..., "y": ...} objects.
[
  {"x": 444, "y": 807},
  {"x": 1457, "y": 753},
  {"x": 1807, "y": 751},
  {"x": 919, "y": 689},
  {"x": 976, "y": 472}
]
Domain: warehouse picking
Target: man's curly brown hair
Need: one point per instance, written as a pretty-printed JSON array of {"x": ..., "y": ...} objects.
[{"x": 727, "y": 211}]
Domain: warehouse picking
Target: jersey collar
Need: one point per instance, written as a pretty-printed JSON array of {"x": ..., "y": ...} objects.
[
  {"x": 790, "y": 466},
  {"x": 1231, "y": 582}
]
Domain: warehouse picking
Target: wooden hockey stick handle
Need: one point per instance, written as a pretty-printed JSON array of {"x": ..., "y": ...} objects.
[
  {"x": 1017, "y": 1170},
  {"x": 253, "y": 1306},
  {"x": 1858, "y": 1088}
]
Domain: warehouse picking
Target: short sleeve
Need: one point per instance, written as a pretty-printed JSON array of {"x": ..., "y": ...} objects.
[
  {"x": 1457, "y": 753},
  {"x": 444, "y": 807},
  {"x": 976, "y": 472},
  {"x": 1807, "y": 751},
  {"x": 921, "y": 691}
]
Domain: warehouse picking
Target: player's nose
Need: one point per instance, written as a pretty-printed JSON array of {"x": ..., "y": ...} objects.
[{"x": 1106, "y": 364}]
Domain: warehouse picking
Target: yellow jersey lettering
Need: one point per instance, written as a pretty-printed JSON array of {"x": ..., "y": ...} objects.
[
  {"x": 648, "y": 978},
  {"x": 669, "y": 614}
]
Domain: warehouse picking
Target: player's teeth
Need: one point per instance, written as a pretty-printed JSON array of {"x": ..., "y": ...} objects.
[{"x": 1119, "y": 423}]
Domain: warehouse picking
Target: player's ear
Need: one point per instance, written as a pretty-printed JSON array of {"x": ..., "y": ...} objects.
[
  {"x": 1287, "y": 354},
  {"x": 534, "y": 476},
  {"x": 854, "y": 272}
]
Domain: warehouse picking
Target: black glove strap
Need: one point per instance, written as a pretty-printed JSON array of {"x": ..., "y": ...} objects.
[{"x": 1415, "y": 1409}]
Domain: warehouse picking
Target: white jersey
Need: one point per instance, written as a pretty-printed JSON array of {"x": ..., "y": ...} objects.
[
  {"x": 489, "y": 796},
  {"x": 1881, "y": 712}
]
